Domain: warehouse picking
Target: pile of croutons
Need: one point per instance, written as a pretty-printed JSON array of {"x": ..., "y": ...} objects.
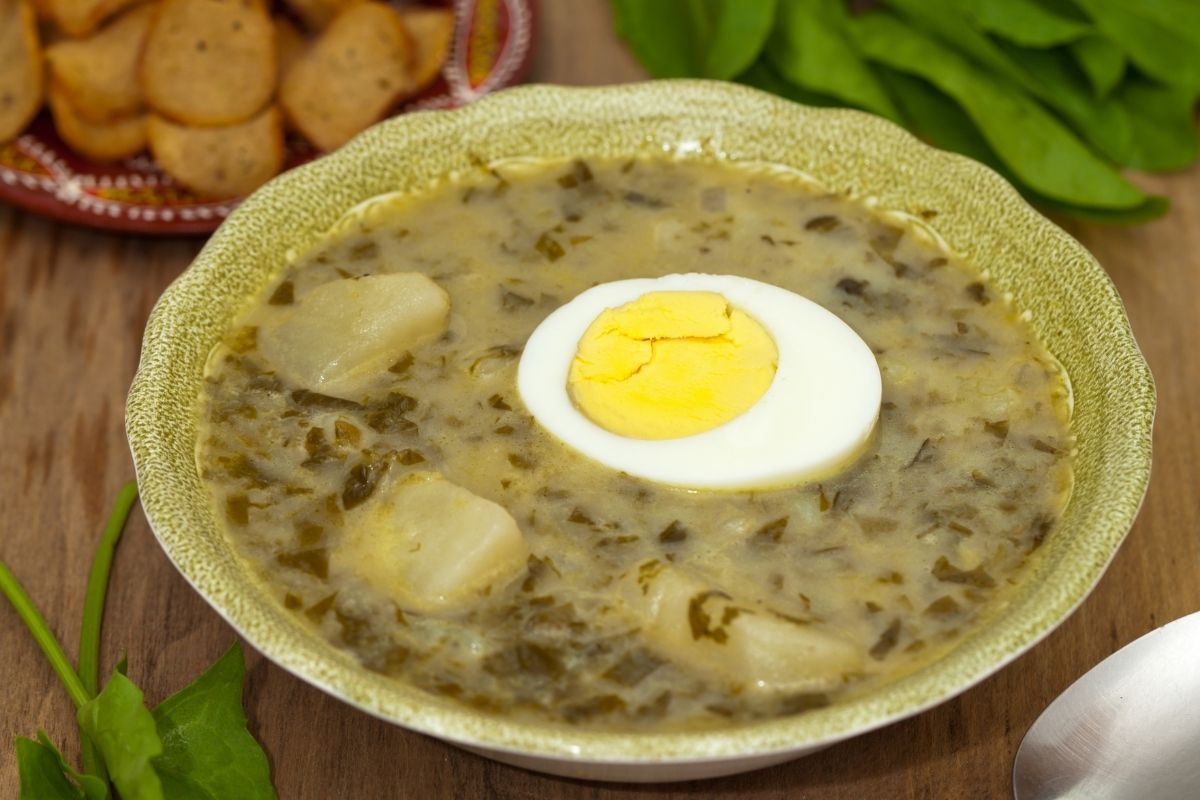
[{"x": 209, "y": 85}]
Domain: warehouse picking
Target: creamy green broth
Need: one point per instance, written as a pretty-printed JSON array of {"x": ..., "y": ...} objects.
[{"x": 900, "y": 556}]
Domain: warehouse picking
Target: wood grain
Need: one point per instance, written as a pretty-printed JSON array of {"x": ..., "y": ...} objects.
[{"x": 72, "y": 307}]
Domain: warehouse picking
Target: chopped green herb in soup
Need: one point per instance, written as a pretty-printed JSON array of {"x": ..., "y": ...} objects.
[{"x": 369, "y": 453}]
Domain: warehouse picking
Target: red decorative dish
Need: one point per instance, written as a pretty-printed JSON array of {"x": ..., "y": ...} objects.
[{"x": 493, "y": 42}]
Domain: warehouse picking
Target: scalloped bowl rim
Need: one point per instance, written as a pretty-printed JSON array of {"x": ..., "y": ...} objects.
[{"x": 847, "y": 150}]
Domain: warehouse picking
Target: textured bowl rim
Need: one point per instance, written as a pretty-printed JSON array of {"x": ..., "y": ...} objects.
[{"x": 1076, "y": 565}]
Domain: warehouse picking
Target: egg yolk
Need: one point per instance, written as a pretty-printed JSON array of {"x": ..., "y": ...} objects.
[{"x": 671, "y": 364}]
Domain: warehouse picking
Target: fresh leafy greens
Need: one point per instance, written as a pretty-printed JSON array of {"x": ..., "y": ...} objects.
[
  {"x": 739, "y": 34},
  {"x": 194, "y": 746},
  {"x": 927, "y": 112},
  {"x": 1162, "y": 122},
  {"x": 1057, "y": 95},
  {"x": 1102, "y": 62},
  {"x": 93, "y": 614},
  {"x": 762, "y": 75},
  {"x": 1155, "y": 36},
  {"x": 1024, "y": 22},
  {"x": 45, "y": 774},
  {"x": 810, "y": 48},
  {"x": 704, "y": 38},
  {"x": 1039, "y": 72},
  {"x": 1026, "y": 137},
  {"x": 207, "y": 752},
  {"x": 121, "y": 727}
]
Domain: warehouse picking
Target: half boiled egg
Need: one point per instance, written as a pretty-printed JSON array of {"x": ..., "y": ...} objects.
[{"x": 703, "y": 381}]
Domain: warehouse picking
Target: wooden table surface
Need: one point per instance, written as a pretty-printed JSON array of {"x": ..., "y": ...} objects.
[{"x": 72, "y": 307}]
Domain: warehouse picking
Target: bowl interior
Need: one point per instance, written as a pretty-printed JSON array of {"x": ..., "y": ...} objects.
[{"x": 1069, "y": 299}]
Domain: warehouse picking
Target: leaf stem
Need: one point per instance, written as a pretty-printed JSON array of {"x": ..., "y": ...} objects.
[
  {"x": 42, "y": 634},
  {"x": 93, "y": 613}
]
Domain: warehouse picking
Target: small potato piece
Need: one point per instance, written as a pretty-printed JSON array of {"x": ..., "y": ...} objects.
[
  {"x": 225, "y": 161},
  {"x": 21, "y": 81},
  {"x": 209, "y": 62},
  {"x": 118, "y": 138},
  {"x": 432, "y": 30},
  {"x": 431, "y": 545},
  {"x": 349, "y": 77},
  {"x": 316, "y": 14},
  {"x": 341, "y": 336},
  {"x": 290, "y": 44},
  {"x": 99, "y": 74},
  {"x": 81, "y": 17},
  {"x": 705, "y": 631}
]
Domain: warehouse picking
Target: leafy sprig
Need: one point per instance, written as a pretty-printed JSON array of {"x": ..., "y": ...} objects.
[
  {"x": 1056, "y": 95},
  {"x": 192, "y": 746}
]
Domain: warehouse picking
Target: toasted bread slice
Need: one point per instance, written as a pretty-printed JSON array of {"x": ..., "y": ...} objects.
[
  {"x": 21, "y": 80},
  {"x": 350, "y": 77},
  {"x": 226, "y": 161},
  {"x": 209, "y": 62},
  {"x": 290, "y": 44},
  {"x": 317, "y": 14},
  {"x": 99, "y": 74},
  {"x": 117, "y": 138},
  {"x": 432, "y": 31},
  {"x": 80, "y": 17}
]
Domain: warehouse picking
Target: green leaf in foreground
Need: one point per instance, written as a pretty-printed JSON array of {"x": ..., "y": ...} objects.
[
  {"x": 36, "y": 624},
  {"x": 1101, "y": 61},
  {"x": 123, "y": 730},
  {"x": 207, "y": 752},
  {"x": 1024, "y": 22},
  {"x": 41, "y": 776},
  {"x": 695, "y": 38},
  {"x": 88, "y": 662},
  {"x": 1155, "y": 35},
  {"x": 197, "y": 738},
  {"x": 812, "y": 49},
  {"x": 1038, "y": 148},
  {"x": 937, "y": 119},
  {"x": 93, "y": 788},
  {"x": 45, "y": 774}
]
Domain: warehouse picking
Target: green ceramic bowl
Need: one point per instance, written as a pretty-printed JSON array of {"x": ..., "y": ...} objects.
[{"x": 1066, "y": 294}]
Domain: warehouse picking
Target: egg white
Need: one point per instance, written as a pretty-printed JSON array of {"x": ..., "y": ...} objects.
[{"x": 814, "y": 420}]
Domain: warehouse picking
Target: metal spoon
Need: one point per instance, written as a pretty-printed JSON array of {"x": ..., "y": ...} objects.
[{"x": 1129, "y": 728}]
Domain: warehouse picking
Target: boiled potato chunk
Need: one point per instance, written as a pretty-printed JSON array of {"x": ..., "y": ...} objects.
[
  {"x": 341, "y": 336},
  {"x": 751, "y": 649},
  {"x": 431, "y": 545}
]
